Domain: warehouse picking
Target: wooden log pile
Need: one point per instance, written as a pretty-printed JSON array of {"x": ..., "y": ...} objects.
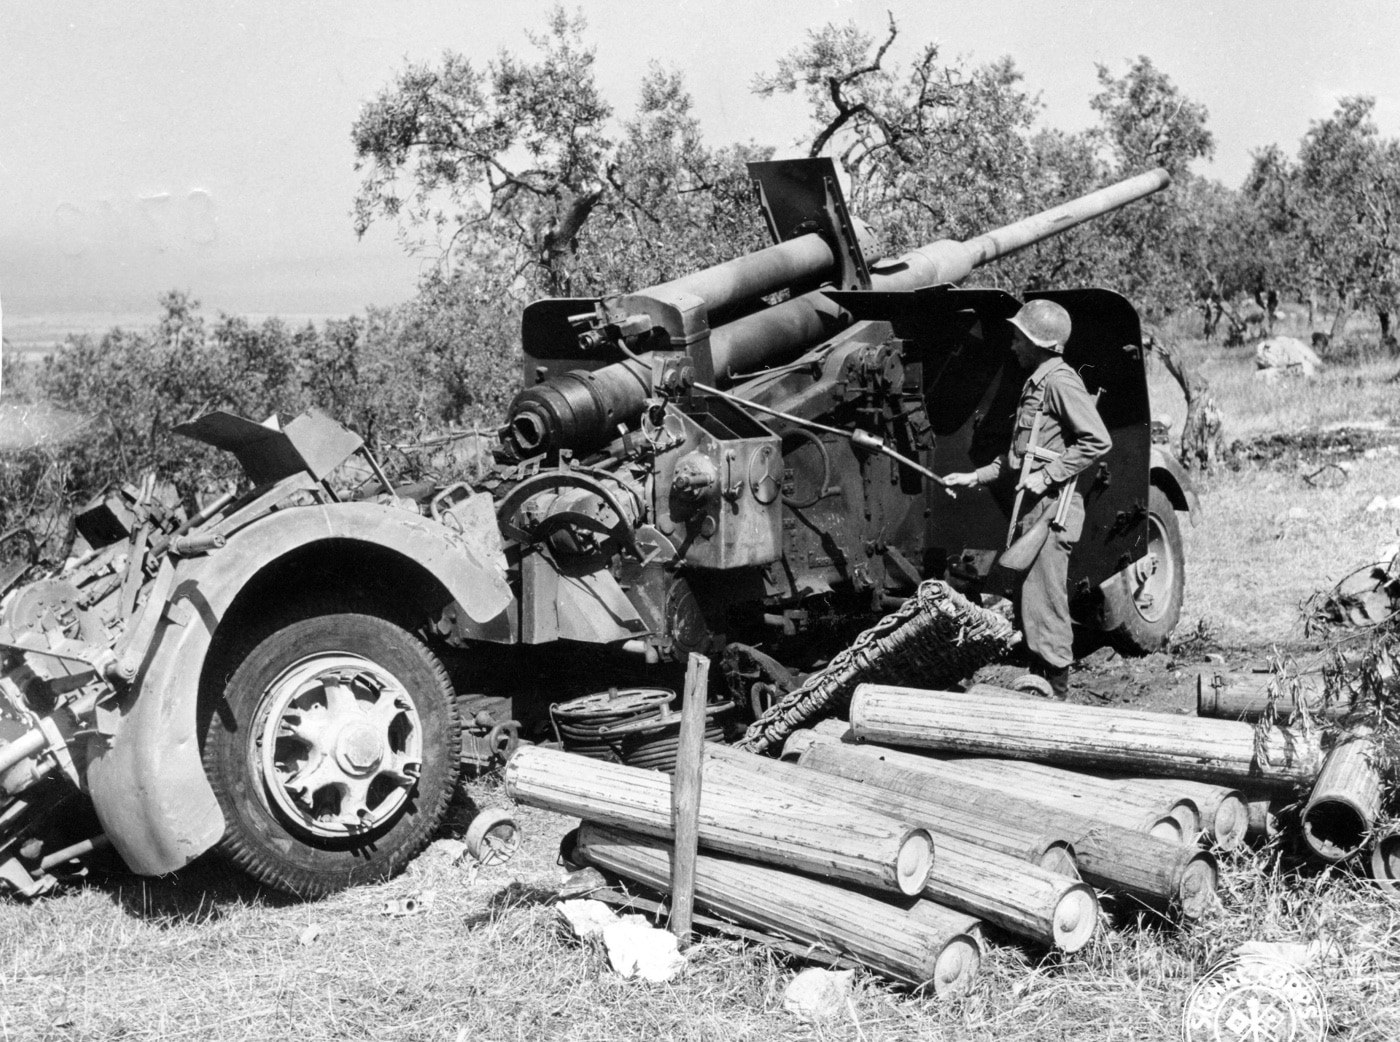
[
  {"x": 1255, "y": 747},
  {"x": 1341, "y": 811},
  {"x": 891, "y": 839}
]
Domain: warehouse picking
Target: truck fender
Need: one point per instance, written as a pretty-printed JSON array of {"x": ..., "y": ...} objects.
[
  {"x": 147, "y": 783},
  {"x": 1170, "y": 476}
]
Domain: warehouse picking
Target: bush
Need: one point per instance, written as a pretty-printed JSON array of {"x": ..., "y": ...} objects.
[{"x": 394, "y": 375}]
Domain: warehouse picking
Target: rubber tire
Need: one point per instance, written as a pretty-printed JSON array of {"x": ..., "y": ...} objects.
[
  {"x": 1136, "y": 634},
  {"x": 257, "y": 837}
]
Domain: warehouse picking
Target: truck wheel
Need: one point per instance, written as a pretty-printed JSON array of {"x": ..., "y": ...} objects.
[
  {"x": 333, "y": 753},
  {"x": 1142, "y": 603}
]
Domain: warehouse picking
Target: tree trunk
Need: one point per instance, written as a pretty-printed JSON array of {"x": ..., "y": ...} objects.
[
  {"x": 1107, "y": 856},
  {"x": 1346, "y": 799},
  {"x": 1034, "y": 842},
  {"x": 867, "y": 849},
  {"x": 1223, "y": 811},
  {"x": 1246, "y": 696},
  {"x": 916, "y": 943},
  {"x": 1263, "y": 817},
  {"x": 1021, "y": 898},
  {"x": 1385, "y": 863},
  {"x": 1156, "y": 744},
  {"x": 1202, "y": 431},
  {"x": 1339, "y": 321},
  {"x": 1115, "y": 803},
  {"x": 1219, "y": 811}
]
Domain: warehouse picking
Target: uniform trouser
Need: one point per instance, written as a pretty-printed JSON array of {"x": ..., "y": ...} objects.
[{"x": 1045, "y": 617}]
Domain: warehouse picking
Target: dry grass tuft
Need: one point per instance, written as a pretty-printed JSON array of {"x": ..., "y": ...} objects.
[{"x": 207, "y": 956}]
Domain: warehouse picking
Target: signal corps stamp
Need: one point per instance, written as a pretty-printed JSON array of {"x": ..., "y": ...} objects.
[{"x": 1255, "y": 999}]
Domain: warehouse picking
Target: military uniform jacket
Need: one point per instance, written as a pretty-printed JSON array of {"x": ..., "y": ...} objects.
[{"x": 1071, "y": 426}]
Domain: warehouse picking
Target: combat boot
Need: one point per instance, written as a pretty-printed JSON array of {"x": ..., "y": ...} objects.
[
  {"x": 1058, "y": 679},
  {"x": 1044, "y": 679}
]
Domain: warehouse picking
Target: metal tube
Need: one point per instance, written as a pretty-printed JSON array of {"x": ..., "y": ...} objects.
[
  {"x": 557, "y": 414},
  {"x": 951, "y": 261},
  {"x": 27, "y": 744},
  {"x": 1020, "y": 234},
  {"x": 86, "y": 846},
  {"x": 754, "y": 274}
]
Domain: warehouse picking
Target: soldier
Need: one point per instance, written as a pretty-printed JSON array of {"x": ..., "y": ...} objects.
[{"x": 1069, "y": 431}]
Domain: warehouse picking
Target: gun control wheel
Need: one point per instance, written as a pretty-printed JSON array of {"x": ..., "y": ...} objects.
[
  {"x": 1142, "y": 603},
  {"x": 333, "y": 753}
]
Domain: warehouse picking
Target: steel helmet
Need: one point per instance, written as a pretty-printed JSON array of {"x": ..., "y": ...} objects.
[{"x": 1044, "y": 323}]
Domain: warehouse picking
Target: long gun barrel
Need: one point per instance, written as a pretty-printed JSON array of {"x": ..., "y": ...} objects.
[{"x": 581, "y": 409}]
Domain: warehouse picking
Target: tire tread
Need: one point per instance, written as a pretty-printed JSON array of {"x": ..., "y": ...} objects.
[{"x": 250, "y": 856}]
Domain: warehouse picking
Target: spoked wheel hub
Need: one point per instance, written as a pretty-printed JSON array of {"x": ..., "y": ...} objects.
[
  {"x": 1154, "y": 574},
  {"x": 340, "y": 746},
  {"x": 1142, "y": 601}
]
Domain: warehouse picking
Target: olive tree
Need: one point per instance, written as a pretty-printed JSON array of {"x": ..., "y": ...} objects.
[{"x": 1336, "y": 208}]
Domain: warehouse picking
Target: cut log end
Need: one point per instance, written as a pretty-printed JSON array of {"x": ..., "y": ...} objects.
[
  {"x": 1188, "y": 817},
  {"x": 1231, "y": 823},
  {"x": 1059, "y": 859},
  {"x": 1263, "y": 819},
  {"x": 797, "y": 743},
  {"x": 1076, "y": 918},
  {"x": 915, "y": 862},
  {"x": 1385, "y": 863},
  {"x": 956, "y": 967},
  {"x": 1196, "y": 895},
  {"x": 1168, "y": 829},
  {"x": 1346, "y": 800},
  {"x": 1334, "y": 828}
]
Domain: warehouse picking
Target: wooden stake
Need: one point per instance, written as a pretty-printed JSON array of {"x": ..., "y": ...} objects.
[
  {"x": 918, "y": 942},
  {"x": 1218, "y": 751},
  {"x": 685, "y": 796},
  {"x": 871, "y": 850}
]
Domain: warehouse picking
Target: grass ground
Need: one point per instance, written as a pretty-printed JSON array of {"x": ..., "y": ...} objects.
[
  {"x": 1271, "y": 533},
  {"x": 207, "y": 956}
]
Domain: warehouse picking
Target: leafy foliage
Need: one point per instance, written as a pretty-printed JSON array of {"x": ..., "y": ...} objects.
[
  {"x": 513, "y": 155},
  {"x": 937, "y": 150},
  {"x": 1335, "y": 211},
  {"x": 513, "y": 173}
]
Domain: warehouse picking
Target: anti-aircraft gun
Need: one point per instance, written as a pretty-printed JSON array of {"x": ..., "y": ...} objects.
[
  {"x": 769, "y": 453},
  {"x": 296, "y": 673}
]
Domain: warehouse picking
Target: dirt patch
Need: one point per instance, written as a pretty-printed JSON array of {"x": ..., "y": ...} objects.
[
  {"x": 1164, "y": 682},
  {"x": 1320, "y": 447}
]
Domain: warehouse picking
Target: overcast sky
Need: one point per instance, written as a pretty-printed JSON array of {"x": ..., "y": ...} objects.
[{"x": 151, "y": 145}]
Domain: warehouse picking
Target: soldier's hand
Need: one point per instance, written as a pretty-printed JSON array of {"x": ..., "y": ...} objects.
[
  {"x": 1036, "y": 483},
  {"x": 953, "y": 482}
]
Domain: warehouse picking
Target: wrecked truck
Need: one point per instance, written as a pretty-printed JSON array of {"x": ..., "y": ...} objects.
[{"x": 746, "y": 457}]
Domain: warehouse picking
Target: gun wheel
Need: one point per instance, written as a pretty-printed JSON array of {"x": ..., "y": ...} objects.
[
  {"x": 333, "y": 753},
  {"x": 1144, "y": 599}
]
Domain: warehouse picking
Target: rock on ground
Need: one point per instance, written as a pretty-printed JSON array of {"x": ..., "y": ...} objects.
[{"x": 1287, "y": 355}]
